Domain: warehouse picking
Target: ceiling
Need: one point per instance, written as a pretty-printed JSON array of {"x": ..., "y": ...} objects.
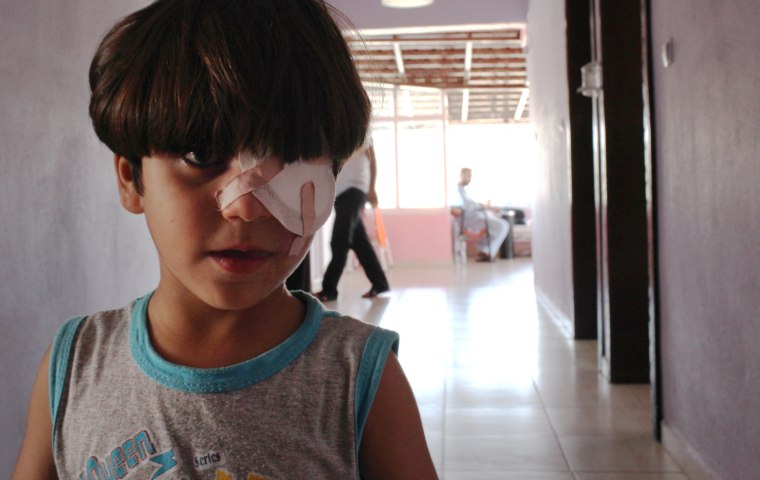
[
  {"x": 371, "y": 14},
  {"x": 482, "y": 70}
]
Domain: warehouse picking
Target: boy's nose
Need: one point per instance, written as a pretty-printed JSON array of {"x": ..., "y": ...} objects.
[{"x": 246, "y": 208}]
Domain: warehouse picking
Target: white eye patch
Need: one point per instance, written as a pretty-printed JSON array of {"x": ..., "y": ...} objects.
[{"x": 300, "y": 196}]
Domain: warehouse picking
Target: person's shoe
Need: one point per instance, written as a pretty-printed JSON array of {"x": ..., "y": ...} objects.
[
  {"x": 373, "y": 292},
  {"x": 325, "y": 297},
  {"x": 484, "y": 257}
]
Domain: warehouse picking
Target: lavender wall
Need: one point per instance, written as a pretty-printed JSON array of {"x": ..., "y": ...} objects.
[
  {"x": 547, "y": 71},
  {"x": 66, "y": 246},
  {"x": 708, "y": 118}
]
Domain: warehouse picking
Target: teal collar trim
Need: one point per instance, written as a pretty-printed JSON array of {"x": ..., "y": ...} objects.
[{"x": 224, "y": 379}]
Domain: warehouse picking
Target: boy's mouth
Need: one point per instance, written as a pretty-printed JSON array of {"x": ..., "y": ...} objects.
[
  {"x": 240, "y": 260},
  {"x": 234, "y": 253}
]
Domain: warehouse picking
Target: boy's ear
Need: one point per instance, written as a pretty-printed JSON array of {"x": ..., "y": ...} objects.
[{"x": 129, "y": 194}]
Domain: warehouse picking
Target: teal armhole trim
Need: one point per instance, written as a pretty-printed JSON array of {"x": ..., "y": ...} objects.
[
  {"x": 379, "y": 345},
  {"x": 60, "y": 353}
]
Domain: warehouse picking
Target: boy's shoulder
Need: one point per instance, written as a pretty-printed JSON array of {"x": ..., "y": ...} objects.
[
  {"x": 368, "y": 339},
  {"x": 104, "y": 320},
  {"x": 337, "y": 323},
  {"x": 334, "y": 320},
  {"x": 336, "y": 327},
  {"x": 101, "y": 331},
  {"x": 97, "y": 324}
]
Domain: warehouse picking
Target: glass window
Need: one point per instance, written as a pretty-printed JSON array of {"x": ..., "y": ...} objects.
[
  {"x": 421, "y": 175},
  {"x": 382, "y": 99},
  {"x": 502, "y": 159},
  {"x": 418, "y": 168},
  {"x": 419, "y": 102},
  {"x": 384, "y": 140}
]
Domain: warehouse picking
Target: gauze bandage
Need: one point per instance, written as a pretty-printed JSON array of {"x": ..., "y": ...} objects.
[{"x": 300, "y": 196}]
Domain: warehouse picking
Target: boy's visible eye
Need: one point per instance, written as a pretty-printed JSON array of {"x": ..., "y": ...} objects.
[{"x": 199, "y": 160}]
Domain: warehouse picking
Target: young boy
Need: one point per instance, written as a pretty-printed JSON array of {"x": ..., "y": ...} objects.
[{"x": 229, "y": 120}]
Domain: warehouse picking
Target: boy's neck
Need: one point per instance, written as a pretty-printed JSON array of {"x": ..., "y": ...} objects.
[{"x": 194, "y": 334}]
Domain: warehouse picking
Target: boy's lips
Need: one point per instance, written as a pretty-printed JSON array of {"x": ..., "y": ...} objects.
[{"x": 241, "y": 259}]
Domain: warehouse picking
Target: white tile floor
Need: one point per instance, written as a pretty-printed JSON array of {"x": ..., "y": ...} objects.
[{"x": 503, "y": 391}]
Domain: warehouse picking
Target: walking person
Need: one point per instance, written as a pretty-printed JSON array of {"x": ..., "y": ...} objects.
[{"x": 354, "y": 187}]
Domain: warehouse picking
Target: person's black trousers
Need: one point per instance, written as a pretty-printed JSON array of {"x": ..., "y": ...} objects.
[{"x": 349, "y": 233}]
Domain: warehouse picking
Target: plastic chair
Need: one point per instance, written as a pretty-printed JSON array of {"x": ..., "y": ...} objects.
[{"x": 463, "y": 235}]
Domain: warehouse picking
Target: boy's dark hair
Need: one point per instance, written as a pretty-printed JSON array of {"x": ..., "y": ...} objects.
[{"x": 216, "y": 77}]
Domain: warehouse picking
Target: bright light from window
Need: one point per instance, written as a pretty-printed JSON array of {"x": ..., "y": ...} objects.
[
  {"x": 384, "y": 141},
  {"x": 421, "y": 174},
  {"x": 417, "y": 169},
  {"x": 382, "y": 99},
  {"x": 502, "y": 159}
]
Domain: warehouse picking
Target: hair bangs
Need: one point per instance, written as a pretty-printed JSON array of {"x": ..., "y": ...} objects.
[{"x": 216, "y": 76}]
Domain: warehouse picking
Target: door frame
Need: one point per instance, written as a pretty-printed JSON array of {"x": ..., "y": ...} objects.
[{"x": 621, "y": 122}]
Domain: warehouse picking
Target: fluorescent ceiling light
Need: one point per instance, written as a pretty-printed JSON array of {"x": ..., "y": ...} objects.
[{"x": 406, "y": 3}]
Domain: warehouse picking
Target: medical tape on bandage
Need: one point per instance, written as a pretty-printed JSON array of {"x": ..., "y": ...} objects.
[{"x": 287, "y": 195}]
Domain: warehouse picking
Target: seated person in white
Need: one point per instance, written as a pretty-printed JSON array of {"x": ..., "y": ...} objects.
[{"x": 477, "y": 216}]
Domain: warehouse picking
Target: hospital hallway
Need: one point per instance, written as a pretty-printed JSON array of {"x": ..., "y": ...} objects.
[{"x": 504, "y": 391}]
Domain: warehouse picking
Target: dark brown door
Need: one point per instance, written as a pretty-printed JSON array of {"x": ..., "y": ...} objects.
[{"x": 622, "y": 193}]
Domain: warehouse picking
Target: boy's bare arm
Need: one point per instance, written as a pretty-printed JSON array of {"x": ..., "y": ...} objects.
[
  {"x": 393, "y": 444},
  {"x": 35, "y": 461},
  {"x": 372, "y": 193}
]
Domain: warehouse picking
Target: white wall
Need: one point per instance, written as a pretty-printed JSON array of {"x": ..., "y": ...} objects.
[
  {"x": 547, "y": 71},
  {"x": 66, "y": 246}
]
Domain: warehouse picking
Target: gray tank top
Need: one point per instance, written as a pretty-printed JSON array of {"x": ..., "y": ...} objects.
[{"x": 120, "y": 411}]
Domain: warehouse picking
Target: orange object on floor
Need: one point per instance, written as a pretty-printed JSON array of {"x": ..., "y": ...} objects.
[{"x": 386, "y": 259}]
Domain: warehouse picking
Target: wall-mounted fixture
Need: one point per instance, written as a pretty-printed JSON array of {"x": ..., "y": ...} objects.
[
  {"x": 591, "y": 79},
  {"x": 406, "y": 3},
  {"x": 667, "y": 53}
]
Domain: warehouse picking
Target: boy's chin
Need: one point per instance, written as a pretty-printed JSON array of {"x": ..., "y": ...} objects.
[{"x": 238, "y": 298}]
